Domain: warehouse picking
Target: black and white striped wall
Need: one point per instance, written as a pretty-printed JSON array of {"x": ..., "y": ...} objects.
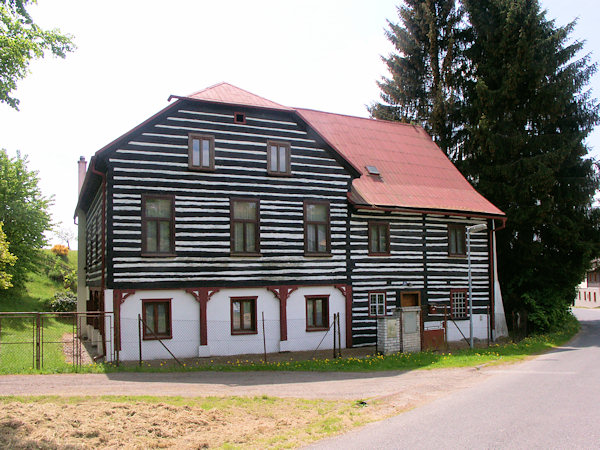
[
  {"x": 155, "y": 160},
  {"x": 418, "y": 262}
]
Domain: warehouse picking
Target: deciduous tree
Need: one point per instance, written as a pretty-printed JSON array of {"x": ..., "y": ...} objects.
[
  {"x": 22, "y": 40},
  {"x": 24, "y": 212},
  {"x": 7, "y": 259}
]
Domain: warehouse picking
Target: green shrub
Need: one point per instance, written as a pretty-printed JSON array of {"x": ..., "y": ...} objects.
[
  {"x": 70, "y": 280},
  {"x": 63, "y": 302}
]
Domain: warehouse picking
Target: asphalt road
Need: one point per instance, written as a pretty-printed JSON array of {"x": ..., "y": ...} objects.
[{"x": 552, "y": 401}]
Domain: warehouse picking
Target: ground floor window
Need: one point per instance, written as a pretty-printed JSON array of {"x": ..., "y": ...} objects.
[
  {"x": 243, "y": 315},
  {"x": 377, "y": 304},
  {"x": 459, "y": 304},
  {"x": 317, "y": 313},
  {"x": 157, "y": 318}
]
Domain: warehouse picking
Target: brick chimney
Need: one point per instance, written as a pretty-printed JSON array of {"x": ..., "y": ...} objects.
[{"x": 82, "y": 168}]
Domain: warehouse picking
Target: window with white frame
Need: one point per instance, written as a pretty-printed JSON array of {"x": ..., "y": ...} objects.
[
  {"x": 377, "y": 302},
  {"x": 459, "y": 303}
]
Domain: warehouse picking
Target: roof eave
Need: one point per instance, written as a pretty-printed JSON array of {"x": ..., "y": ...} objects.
[
  {"x": 241, "y": 105},
  {"x": 434, "y": 211}
]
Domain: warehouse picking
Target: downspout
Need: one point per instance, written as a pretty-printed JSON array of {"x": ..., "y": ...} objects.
[{"x": 103, "y": 265}]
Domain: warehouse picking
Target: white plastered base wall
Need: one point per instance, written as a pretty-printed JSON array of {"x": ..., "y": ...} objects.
[
  {"x": 185, "y": 323},
  {"x": 480, "y": 328},
  {"x": 500, "y": 327}
]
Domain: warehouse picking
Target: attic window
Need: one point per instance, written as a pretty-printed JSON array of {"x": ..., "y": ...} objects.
[
  {"x": 372, "y": 170},
  {"x": 239, "y": 118}
]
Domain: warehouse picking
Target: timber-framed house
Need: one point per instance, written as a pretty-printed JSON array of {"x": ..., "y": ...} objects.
[{"x": 225, "y": 213}]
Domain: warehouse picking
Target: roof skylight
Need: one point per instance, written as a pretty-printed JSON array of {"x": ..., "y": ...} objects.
[{"x": 372, "y": 170}]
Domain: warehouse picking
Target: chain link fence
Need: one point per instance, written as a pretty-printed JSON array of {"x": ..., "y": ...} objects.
[
  {"x": 184, "y": 339},
  {"x": 53, "y": 341},
  {"x": 65, "y": 341}
]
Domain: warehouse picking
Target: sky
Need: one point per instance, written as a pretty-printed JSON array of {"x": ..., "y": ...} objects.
[{"x": 132, "y": 54}]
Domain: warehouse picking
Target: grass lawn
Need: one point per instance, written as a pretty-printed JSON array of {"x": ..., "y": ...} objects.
[
  {"x": 495, "y": 354},
  {"x": 17, "y": 333}
]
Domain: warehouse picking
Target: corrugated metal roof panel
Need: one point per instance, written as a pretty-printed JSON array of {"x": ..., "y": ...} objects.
[
  {"x": 227, "y": 93},
  {"x": 414, "y": 172}
]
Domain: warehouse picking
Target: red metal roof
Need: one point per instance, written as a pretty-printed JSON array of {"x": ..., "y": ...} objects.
[
  {"x": 414, "y": 172},
  {"x": 227, "y": 93}
]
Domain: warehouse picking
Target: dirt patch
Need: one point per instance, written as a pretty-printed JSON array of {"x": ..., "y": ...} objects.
[
  {"x": 298, "y": 416},
  {"x": 73, "y": 347},
  {"x": 249, "y": 423}
]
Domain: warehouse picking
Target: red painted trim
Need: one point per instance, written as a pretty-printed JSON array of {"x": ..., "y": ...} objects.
[
  {"x": 309, "y": 327},
  {"x": 119, "y": 296},
  {"x": 348, "y": 316},
  {"x": 241, "y": 331},
  {"x": 202, "y": 296},
  {"x": 282, "y": 293},
  {"x": 150, "y": 336},
  {"x": 124, "y": 294},
  {"x": 235, "y": 116},
  {"x": 342, "y": 288}
]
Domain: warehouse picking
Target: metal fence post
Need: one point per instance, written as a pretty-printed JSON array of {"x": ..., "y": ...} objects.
[
  {"x": 140, "y": 337},
  {"x": 334, "y": 333},
  {"x": 37, "y": 341},
  {"x": 264, "y": 337},
  {"x": 339, "y": 337}
]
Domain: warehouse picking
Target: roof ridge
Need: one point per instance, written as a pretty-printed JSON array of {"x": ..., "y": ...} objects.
[
  {"x": 229, "y": 85},
  {"x": 209, "y": 87},
  {"x": 371, "y": 119}
]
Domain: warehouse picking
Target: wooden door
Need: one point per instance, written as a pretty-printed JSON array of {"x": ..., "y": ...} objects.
[{"x": 410, "y": 299}]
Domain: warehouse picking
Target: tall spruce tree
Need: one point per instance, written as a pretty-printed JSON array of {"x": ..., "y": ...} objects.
[
  {"x": 519, "y": 115},
  {"x": 427, "y": 70},
  {"x": 528, "y": 115}
]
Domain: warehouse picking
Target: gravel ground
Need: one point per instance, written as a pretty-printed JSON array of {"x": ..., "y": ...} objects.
[{"x": 402, "y": 389}]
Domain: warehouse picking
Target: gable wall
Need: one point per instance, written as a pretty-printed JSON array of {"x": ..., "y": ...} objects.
[{"x": 155, "y": 160}]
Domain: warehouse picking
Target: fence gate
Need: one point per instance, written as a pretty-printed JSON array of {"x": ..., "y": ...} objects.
[{"x": 53, "y": 341}]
